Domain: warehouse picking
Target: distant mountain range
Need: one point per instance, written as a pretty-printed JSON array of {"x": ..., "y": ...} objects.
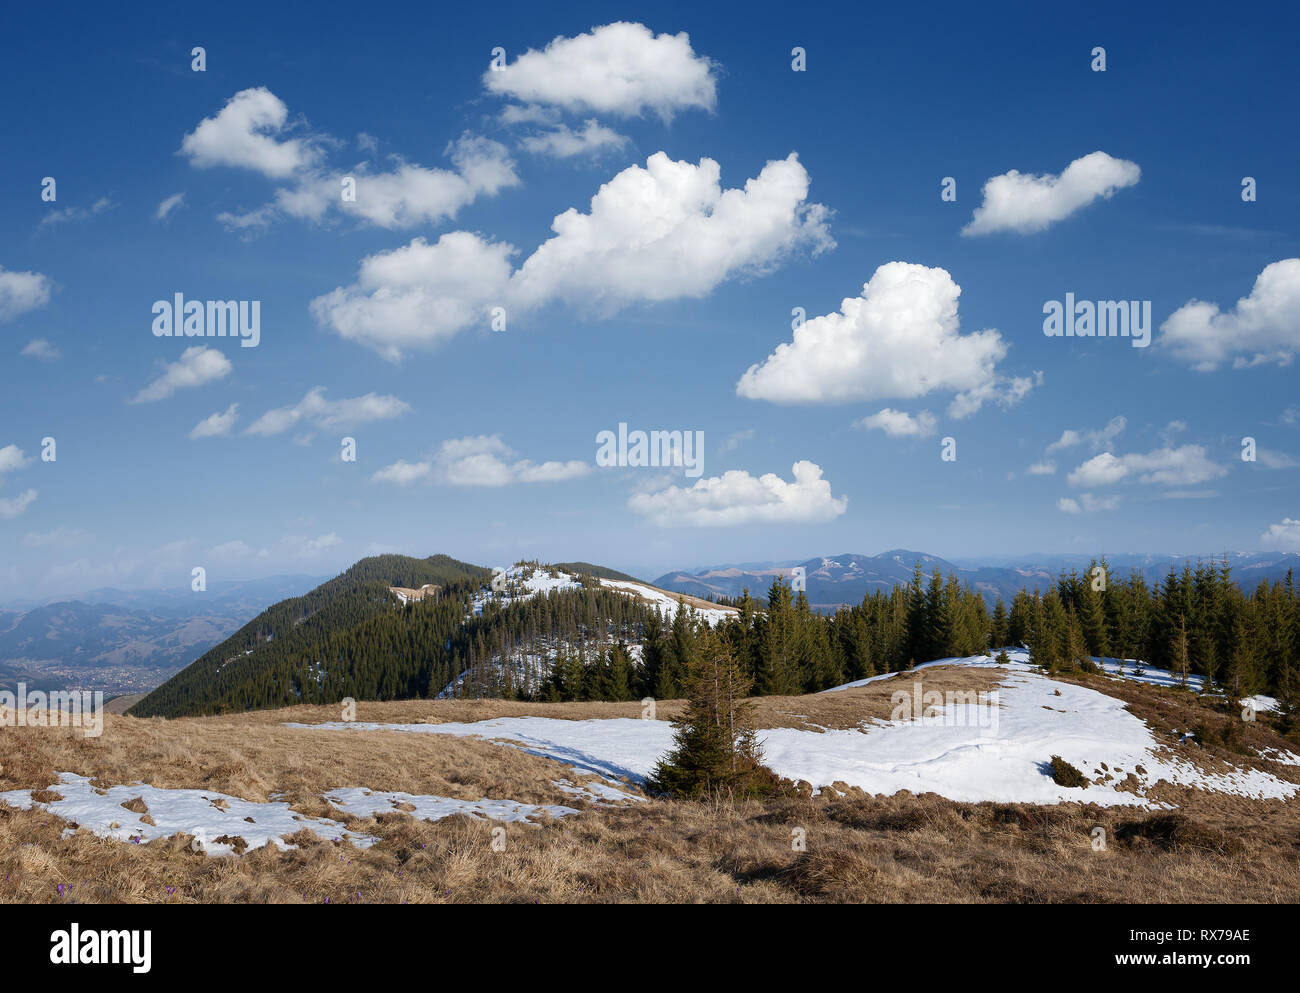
[
  {"x": 118, "y": 640},
  {"x": 123, "y": 641},
  {"x": 835, "y": 580}
]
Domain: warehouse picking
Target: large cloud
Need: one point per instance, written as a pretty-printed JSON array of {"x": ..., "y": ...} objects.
[
  {"x": 661, "y": 232},
  {"x": 670, "y": 230},
  {"x": 1264, "y": 327},
  {"x": 21, "y": 292},
  {"x": 619, "y": 68},
  {"x": 1024, "y": 203},
  {"x": 898, "y": 340},
  {"x": 197, "y": 366},
  {"x": 737, "y": 498}
]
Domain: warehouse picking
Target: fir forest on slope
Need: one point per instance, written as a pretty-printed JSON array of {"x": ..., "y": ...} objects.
[{"x": 354, "y": 637}]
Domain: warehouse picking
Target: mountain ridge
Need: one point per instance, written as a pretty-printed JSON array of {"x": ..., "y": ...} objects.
[{"x": 843, "y": 579}]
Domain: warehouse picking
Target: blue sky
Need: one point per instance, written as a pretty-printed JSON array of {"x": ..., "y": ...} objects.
[{"x": 649, "y": 306}]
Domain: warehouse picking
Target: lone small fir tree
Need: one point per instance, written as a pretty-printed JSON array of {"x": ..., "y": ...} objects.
[{"x": 715, "y": 750}]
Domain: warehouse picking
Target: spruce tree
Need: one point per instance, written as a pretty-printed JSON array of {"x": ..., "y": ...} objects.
[{"x": 715, "y": 750}]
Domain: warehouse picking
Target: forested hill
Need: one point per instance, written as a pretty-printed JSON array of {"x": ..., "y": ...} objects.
[{"x": 274, "y": 659}]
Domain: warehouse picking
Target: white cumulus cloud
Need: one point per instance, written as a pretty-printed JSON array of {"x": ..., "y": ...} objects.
[
  {"x": 898, "y": 340},
  {"x": 669, "y": 230},
  {"x": 12, "y": 507},
  {"x": 403, "y": 473},
  {"x": 1284, "y": 537},
  {"x": 562, "y": 142},
  {"x": 1097, "y": 439},
  {"x": 216, "y": 425},
  {"x": 21, "y": 292},
  {"x": 1186, "y": 465},
  {"x": 418, "y": 295},
  {"x": 661, "y": 232},
  {"x": 408, "y": 195},
  {"x": 11, "y": 459},
  {"x": 325, "y": 414},
  {"x": 245, "y": 134},
  {"x": 1024, "y": 202},
  {"x": 621, "y": 68},
  {"x": 486, "y": 460},
  {"x": 737, "y": 498},
  {"x": 900, "y": 424},
  {"x": 1087, "y": 504},
  {"x": 1263, "y": 328},
  {"x": 197, "y": 366},
  {"x": 248, "y": 131},
  {"x": 41, "y": 348}
]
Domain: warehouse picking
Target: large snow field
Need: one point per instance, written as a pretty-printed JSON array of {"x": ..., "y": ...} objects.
[{"x": 957, "y": 753}]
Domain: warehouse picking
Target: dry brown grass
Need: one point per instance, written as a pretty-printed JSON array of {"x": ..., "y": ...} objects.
[
  {"x": 858, "y": 849},
  {"x": 903, "y": 848},
  {"x": 844, "y": 709}
]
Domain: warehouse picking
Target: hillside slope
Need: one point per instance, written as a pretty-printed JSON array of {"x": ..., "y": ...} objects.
[
  {"x": 393, "y": 628},
  {"x": 273, "y": 659}
]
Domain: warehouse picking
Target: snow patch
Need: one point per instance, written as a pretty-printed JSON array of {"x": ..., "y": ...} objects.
[
  {"x": 361, "y": 802},
  {"x": 203, "y": 813},
  {"x": 208, "y": 815}
]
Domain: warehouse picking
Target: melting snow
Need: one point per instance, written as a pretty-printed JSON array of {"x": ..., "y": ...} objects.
[
  {"x": 361, "y": 802},
  {"x": 202, "y": 813},
  {"x": 208, "y": 815},
  {"x": 667, "y": 602},
  {"x": 609, "y": 747},
  {"x": 597, "y": 792},
  {"x": 523, "y": 583}
]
